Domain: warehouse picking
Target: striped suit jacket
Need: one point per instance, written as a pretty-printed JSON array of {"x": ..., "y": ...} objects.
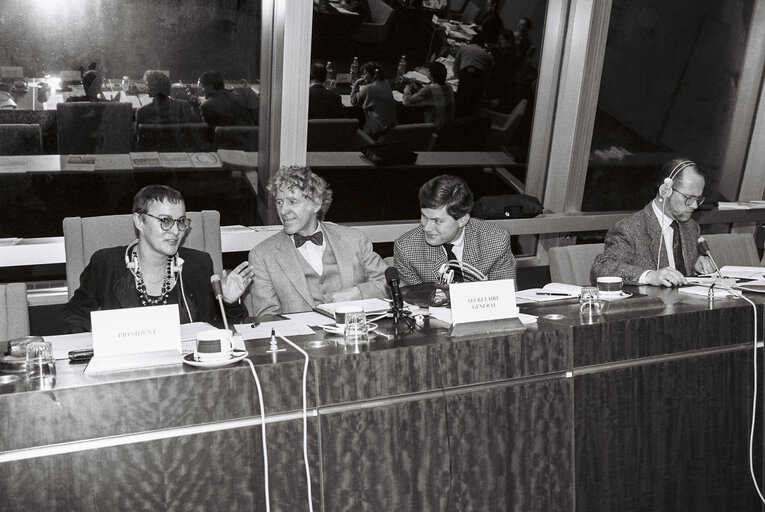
[
  {"x": 487, "y": 247},
  {"x": 632, "y": 247}
]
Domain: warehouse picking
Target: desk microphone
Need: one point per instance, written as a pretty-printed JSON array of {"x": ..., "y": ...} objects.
[
  {"x": 218, "y": 292},
  {"x": 704, "y": 246},
  {"x": 392, "y": 277}
]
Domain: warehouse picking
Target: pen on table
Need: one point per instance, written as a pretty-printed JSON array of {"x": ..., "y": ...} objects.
[{"x": 555, "y": 294}]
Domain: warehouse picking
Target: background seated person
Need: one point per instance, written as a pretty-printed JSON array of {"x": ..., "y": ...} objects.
[
  {"x": 155, "y": 270},
  {"x": 163, "y": 109},
  {"x": 360, "y": 7},
  {"x": 220, "y": 107},
  {"x": 322, "y": 103},
  {"x": 447, "y": 232},
  {"x": 489, "y": 22},
  {"x": 472, "y": 64},
  {"x": 659, "y": 244},
  {"x": 373, "y": 93},
  {"x": 310, "y": 261},
  {"x": 437, "y": 95},
  {"x": 91, "y": 84}
]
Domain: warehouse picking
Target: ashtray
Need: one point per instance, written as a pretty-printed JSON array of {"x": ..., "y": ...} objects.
[
  {"x": 317, "y": 344},
  {"x": 553, "y": 316}
]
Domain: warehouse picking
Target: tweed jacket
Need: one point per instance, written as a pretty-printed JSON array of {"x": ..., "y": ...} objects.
[
  {"x": 632, "y": 247},
  {"x": 487, "y": 247},
  {"x": 106, "y": 283},
  {"x": 280, "y": 286}
]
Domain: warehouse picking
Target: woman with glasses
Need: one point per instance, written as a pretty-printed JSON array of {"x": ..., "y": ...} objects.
[
  {"x": 659, "y": 244},
  {"x": 155, "y": 269}
]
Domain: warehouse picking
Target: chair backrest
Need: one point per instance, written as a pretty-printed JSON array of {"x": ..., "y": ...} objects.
[
  {"x": 14, "y": 313},
  {"x": 571, "y": 264},
  {"x": 332, "y": 135},
  {"x": 244, "y": 138},
  {"x": 466, "y": 134},
  {"x": 469, "y": 12},
  {"x": 733, "y": 249},
  {"x": 85, "y": 235},
  {"x": 20, "y": 139},
  {"x": 415, "y": 137},
  {"x": 93, "y": 127},
  {"x": 183, "y": 137}
]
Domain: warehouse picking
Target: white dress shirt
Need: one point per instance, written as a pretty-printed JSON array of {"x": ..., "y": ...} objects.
[
  {"x": 667, "y": 234},
  {"x": 313, "y": 253}
]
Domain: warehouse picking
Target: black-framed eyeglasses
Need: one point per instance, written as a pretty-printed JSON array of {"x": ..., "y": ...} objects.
[
  {"x": 166, "y": 223},
  {"x": 690, "y": 199}
]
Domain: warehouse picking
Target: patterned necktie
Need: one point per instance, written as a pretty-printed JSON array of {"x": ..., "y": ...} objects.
[
  {"x": 458, "y": 276},
  {"x": 317, "y": 238},
  {"x": 677, "y": 248}
]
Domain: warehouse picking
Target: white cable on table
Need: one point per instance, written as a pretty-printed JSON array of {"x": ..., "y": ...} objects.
[{"x": 262, "y": 434}]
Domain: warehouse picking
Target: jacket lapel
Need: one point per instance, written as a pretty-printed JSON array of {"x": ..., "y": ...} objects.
[
  {"x": 287, "y": 258},
  {"x": 344, "y": 262},
  {"x": 654, "y": 233},
  {"x": 470, "y": 245}
]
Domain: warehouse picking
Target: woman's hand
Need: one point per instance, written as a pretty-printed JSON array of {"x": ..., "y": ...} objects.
[{"x": 234, "y": 283}]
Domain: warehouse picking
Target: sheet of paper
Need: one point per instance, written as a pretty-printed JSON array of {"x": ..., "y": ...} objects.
[
  {"x": 174, "y": 160},
  {"x": 368, "y": 305},
  {"x": 703, "y": 291},
  {"x": 107, "y": 162},
  {"x": 283, "y": 327},
  {"x": 145, "y": 159},
  {"x": 743, "y": 272},
  {"x": 14, "y": 164},
  {"x": 80, "y": 163},
  {"x": 310, "y": 318}
]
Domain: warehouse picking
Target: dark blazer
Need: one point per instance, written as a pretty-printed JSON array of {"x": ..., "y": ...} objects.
[
  {"x": 632, "y": 247},
  {"x": 323, "y": 103},
  {"x": 167, "y": 110},
  {"x": 487, "y": 247},
  {"x": 281, "y": 286},
  {"x": 223, "y": 109},
  {"x": 106, "y": 283}
]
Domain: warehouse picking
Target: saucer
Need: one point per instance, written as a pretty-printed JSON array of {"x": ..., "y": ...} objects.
[
  {"x": 334, "y": 329},
  {"x": 615, "y": 296},
  {"x": 236, "y": 356}
]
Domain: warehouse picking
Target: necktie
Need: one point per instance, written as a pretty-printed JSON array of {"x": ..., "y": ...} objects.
[
  {"x": 677, "y": 248},
  {"x": 317, "y": 239},
  {"x": 458, "y": 277}
]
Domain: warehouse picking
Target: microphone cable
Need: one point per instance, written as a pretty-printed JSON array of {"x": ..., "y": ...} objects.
[
  {"x": 183, "y": 295},
  {"x": 740, "y": 295},
  {"x": 305, "y": 419},
  {"x": 262, "y": 433}
]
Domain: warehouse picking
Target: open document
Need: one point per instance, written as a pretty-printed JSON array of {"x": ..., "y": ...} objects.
[{"x": 551, "y": 291}]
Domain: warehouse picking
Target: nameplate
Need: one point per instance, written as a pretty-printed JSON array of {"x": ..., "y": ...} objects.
[
  {"x": 118, "y": 332},
  {"x": 482, "y": 301}
]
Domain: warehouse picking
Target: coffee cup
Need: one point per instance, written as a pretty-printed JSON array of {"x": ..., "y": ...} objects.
[
  {"x": 214, "y": 345},
  {"x": 609, "y": 286},
  {"x": 344, "y": 310}
]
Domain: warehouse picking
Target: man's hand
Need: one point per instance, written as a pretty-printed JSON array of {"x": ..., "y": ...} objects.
[
  {"x": 704, "y": 265},
  {"x": 347, "y": 294},
  {"x": 666, "y": 276}
]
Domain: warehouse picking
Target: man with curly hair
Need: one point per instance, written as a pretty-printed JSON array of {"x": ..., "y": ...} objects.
[{"x": 311, "y": 261}]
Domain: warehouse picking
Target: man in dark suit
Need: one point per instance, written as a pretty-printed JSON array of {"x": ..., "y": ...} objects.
[
  {"x": 659, "y": 244},
  {"x": 447, "y": 233},
  {"x": 322, "y": 103},
  {"x": 311, "y": 261},
  {"x": 220, "y": 107}
]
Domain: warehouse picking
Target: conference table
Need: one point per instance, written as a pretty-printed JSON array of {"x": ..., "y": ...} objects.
[{"x": 644, "y": 407}]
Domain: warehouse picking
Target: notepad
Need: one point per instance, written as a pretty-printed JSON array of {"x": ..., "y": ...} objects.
[{"x": 551, "y": 291}]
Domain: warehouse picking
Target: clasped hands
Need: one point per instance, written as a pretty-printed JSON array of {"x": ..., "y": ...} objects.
[{"x": 668, "y": 276}]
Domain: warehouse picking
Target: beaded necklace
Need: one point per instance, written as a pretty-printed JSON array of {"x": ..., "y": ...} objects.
[{"x": 140, "y": 285}]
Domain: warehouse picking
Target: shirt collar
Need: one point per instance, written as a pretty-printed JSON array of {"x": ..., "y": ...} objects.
[{"x": 664, "y": 220}]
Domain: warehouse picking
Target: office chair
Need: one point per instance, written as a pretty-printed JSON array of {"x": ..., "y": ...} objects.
[{"x": 14, "y": 311}]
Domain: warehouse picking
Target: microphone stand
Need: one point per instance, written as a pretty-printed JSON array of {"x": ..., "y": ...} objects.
[{"x": 401, "y": 315}]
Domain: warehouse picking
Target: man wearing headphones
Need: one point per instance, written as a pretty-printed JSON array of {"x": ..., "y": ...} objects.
[
  {"x": 659, "y": 244},
  {"x": 155, "y": 269}
]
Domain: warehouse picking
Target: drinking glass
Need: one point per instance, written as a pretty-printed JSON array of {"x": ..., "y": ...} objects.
[
  {"x": 589, "y": 300},
  {"x": 41, "y": 365},
  {"x": 356, "y": 328}
]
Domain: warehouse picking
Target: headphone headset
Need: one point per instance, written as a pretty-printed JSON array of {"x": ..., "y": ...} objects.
[
  {"x": 176, "y": 266},
  {"x": 665, "y": 190}
]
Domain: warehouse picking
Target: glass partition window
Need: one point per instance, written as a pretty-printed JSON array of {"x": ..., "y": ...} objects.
[
  {"x": 97, "y": 77},
  {"x": 426, "y": 76},
  {"x": 669, "y": 86}
]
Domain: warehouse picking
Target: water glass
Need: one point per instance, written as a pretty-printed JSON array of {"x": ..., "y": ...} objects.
[
  {"x": 356, "y": 332},
  {"x": 589, "y": 300},
  {"x": 41, "y": 365}
]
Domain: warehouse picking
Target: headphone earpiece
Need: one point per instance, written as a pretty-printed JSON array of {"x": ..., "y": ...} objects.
[
  {"x": 131, "y": 265},
  {"x": 665, "y": 190}
]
